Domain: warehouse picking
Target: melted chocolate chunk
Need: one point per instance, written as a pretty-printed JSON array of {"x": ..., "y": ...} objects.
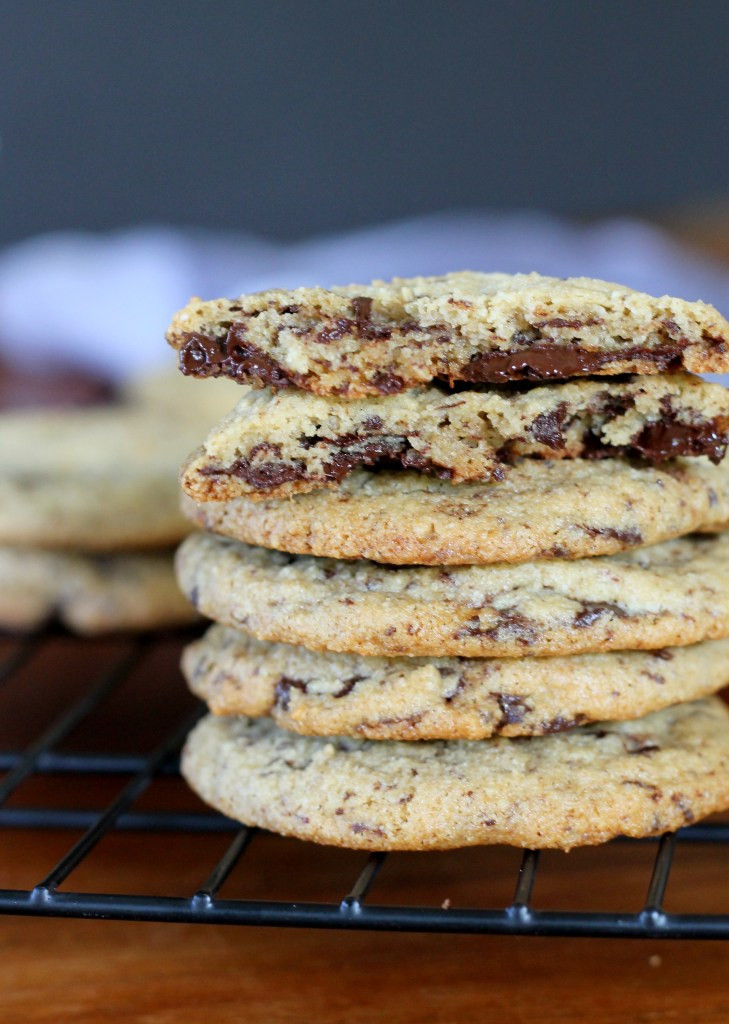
[
  {"x": 547, "y": 427},
  {"x": 414, "y": 460},
  {"x": 341, "y": 464},
  {"x": 234, "y": 357},
  {"x": 262, "y": 477},
  {"x": 557, "y": 362},
  {"x": 668, "y": 438}
]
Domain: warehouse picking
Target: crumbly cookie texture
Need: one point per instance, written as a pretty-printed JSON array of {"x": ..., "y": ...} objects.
[
  {"x": 671, "y": 594},
  {"x": 638, "y": 778},
  {"x": 542, "y": 509},
  {"x": 442, "y": 698},
  {"x": 89, "y": 594},
  {"x": 275, "y": 445},
  {"x": 388, "y": 336},
  {"x": 92, "y": 479}
]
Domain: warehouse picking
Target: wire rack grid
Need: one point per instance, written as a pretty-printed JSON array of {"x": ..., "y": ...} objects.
[{"x": 46, "y": 755}]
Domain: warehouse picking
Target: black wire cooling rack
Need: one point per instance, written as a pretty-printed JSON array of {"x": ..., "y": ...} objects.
[{"x": 47, "y": 755}]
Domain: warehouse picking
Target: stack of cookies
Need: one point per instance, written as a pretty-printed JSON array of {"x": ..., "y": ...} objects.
[
  {"x": 89, "y": 508},
  {"x": 463, "y": 551}
]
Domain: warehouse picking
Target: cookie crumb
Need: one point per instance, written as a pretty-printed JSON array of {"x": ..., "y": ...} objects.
[
  {"x": 655, "y": 960},
  {"x": 445, "y": 905}
]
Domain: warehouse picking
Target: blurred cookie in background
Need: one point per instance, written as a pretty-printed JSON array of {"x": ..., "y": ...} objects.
[
  {"x": 89, "y": 498},
  {"x": 89, "y": 593}
]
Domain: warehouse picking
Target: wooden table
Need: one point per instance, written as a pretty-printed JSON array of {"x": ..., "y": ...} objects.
[{"x": 96, "y": 971}]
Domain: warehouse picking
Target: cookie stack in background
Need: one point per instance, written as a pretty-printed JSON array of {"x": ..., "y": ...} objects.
[
  {"x": 89, "y": 508},
  {"x": 465, "y": 561}
]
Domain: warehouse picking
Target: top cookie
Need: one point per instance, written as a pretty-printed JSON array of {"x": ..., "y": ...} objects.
[{"x": 388, "y": 336}]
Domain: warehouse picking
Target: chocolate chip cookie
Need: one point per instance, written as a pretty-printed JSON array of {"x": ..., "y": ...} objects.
[
  {"x": 89, "y": 593},
  {"x": 637, "y": 778},
  {"x": 278, "y": 444},
  {"x": 542, "y": 509},
  {"x": 442, "y": 698},
  {"x": 670, "y": 594},
  {"x": 92, "y": 479},
  {"x": 383, "y": 338}
]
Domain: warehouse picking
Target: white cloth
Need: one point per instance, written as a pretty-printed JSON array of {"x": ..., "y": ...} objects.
[{"x": 104, "y": 301}]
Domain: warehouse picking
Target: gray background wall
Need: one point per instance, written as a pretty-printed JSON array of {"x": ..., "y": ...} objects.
[{"x": 289, "y": 117}]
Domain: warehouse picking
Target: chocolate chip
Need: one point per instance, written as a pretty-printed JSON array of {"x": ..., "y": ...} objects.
[
  {"x": 593, "y": 610},
  {"x": 513, "y": 708},
  {"x": 358, "y": 828},
  {"x": 561, "y": 724},
  {"x": 526, "y": 337},
  {"x": 335, "y": 330},
  {"x": 680, "y": 800},
  {"x": 547, "y": 427},
  {"x": 509, "y": 625},
  {"x": 557, "y": 551},
  {"x": 457, "y": 689},
  {"x": 639, "y": 744},
  {"x": 362, "y": 309},
  {"x": 629, "y": 537},
  {"x": 282, "y": 691},
  {"x": 348, "y": 685},
  {"x": 388, "y": 383},
  {"x": 672, "y": 329},
  {"x": 654, "y": 676}
]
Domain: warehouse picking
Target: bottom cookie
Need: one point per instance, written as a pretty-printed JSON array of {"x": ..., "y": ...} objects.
[
  {"x": 89, "y": 593},
  {"x": 637, "y": 778}
]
